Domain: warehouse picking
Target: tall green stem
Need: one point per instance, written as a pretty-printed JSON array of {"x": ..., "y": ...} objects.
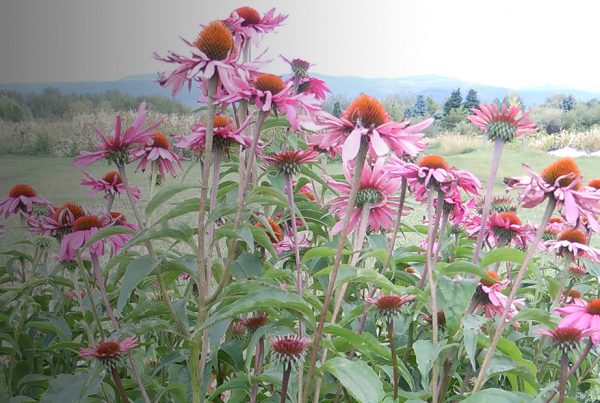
[
  {"x": 513, "y": 292},
  {"x": 360, "y": 162},
  {"x": 390, "y": 332},
  {"x": 496, "y": 155}
]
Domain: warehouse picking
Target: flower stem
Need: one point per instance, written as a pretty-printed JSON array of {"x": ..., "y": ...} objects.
[
  {"x": 258, "y": 360},
  {"x": 151, "y": 253},
  {"x": 513, "y": 292},
  {"x": 431, "y": 282},
  {"x": 562, "y": 383},
  {"x": 292, "y": 207},
  {"x": 563, "y": 281},
  {"x": 97, "y": 271},
  {"x": 570, "y": 372},
  {"x": 390, "y": 332},
  {"x": 287, "y": 370},
  {"x": 360, "y": 162},
  {"x": 117, "y": 378},
  {"x": 496, "y": 154}
]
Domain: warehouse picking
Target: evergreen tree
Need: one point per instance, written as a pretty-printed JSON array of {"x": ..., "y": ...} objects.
[
  {"x": 337, "y": 109},
  {"x": 454, "y": 102},
  {"x": 471, "y": 100},
  {"x": 420, "y": 108},
  {"x": 432, "y": 106},
  {"x": 567, "y": 103}
]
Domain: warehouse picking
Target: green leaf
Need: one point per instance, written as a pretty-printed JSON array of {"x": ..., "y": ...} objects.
[
  {"x": 472, "y": 324},
  {"x": 273, "y": 123},
  {"x": 136, "y": 271},
  {"x": 247, "y": 266},
  {"x": 361, "y": 382},
  {"x": 265, "y": 299},
  {"x": 165, "y": 194},
  {"x": 181, "y": 208},
  {"x": 426, "y": 353},
  {"x": 72, "y": 388},
  {"x": 105, "y": 232},
  {"x": 456, "y": 297},
  {"x": 497, "y": 396},
  {"x": 502, "y": 255},
  {"x": 463, "y": 267}
]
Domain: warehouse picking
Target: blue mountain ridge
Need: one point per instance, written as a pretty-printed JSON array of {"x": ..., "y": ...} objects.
[{"x": 349, "y": 86}]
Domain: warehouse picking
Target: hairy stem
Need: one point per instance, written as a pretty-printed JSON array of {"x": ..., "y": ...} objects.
[
  {"x": 513, "y": 293},
  {"x": 287, "y": 370},
  {"x": 360, "y": 162},
  {"x": 390, "y": 332},
  {"x": 258, "y": 360},
  {"x": 97, "y": 271},
  {"x": 119, "y": 384},
  {"x": 496, "y": 155}
]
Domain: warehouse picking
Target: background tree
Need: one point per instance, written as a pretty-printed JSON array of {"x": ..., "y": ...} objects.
[
  {"x": 337, "y": 109},
  {"x": 432, "y": 106},
  {"x": 420, "y": 108},
  {"x": 454, "y": 102},
  {"x": 471, "y": 100},
  {"x": 567, "y": 103}
]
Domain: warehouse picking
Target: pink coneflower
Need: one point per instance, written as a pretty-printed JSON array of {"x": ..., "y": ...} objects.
[
  {"x": 225, "y": 135},
  {"x": 578, "y": 270},
  {"x": 504, "y": 124},
  {"x": 213, "y": 53},
  {"x": 277, "y": 233},
  {"x": 389, "y": 306},
  {"x": 111, "y": 184},
  {"x": 304, "y": 83},
  {"x": 375, "y": 189},
  {"x": 109, "y": 353},
  {"x": 238, "y": 329},
  {"x": 288, "y": 162},
  {"x": 289, "y": 349},
  {"x": 366, "y": 117},
  {"x": 22, "y": 199},
  {"x": 562, "y": 182},
  {"x": 253, "y": 323},
  {"x": 583, "y": 316},
  {"x": 555, "y": 225},
  {"x": 74, "y": 295},
  {"x": 120, "y": 219},
  {"x": 573, "y": 243},
  {"x": 59, "y": 220},
  {"x": 83, "y": 229},
  {"x": 247, "y": 23},
  {"x": 158, "y": 153},
  {"x": 308, "y": 191},
  {"x": 566, "y": 338},
  {"x": 269, "y": 92},
  {"x": 571, "y": 297},
  {"x": 505, "y": 228},
  {"x": 432, "y": 171},
  {"x": 287, "y": 243},
  {"x": 115, "y": 147},
  {"x": 489, "y": 295}
]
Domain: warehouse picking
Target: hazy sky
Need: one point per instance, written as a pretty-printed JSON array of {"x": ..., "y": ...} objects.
[{"x": 512, "y": 43}]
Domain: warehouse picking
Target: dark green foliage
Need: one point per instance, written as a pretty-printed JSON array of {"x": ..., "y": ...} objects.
[
  {"x": 471, "y": 100},
  {"x": 567, "y": 103},
  {"x": 52, "y": 104},
  {"x": 454, "y": 102},
  {"x": 337, "y": 109},
  {"x": 420, "y": 108}
]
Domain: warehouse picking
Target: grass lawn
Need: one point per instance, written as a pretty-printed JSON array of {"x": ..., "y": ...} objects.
[{"x": 58, "y": 180}]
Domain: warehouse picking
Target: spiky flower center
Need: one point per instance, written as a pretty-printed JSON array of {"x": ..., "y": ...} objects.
[
  {"x": 562, "y": 167},
  {"x": 75, "y": 209},
  {"x": 269, "y": 82},
  {"x": 368, "y": 195},
  {"x": 578, "y": 270},
  {"x": 433, "y": 162},
  {"x": 388, "y": 302},
  {"x": 567, "y": 338},
  {"x": 555, "y": 220},
  {"x": 366, "y": 110},
  {"x": 512, "y": 218},
  {"x": 22, "y": 189},
  {"x": 501, "y": 130},
  {"x": 502, "y": 204},
  {"x": 289, "y": 349},
  {"x": 276, "y": 230},
  {"x": 309, "y": 195},
  {"x": 249, "y": 14},
  {"x": 300, "y": 67},
  {"x": 118, "y": 217},
  {"x": 87, "y": 222},
  {"x": 593, "y": 307},
  {"x": 573, "y": 294},
  {"x": 108, "y": 349},
  {"x": 256, "y": 321},
  {"x": 112, "y": 176},
  {"x": 594, "y": 183},
  {"x": 160, "y": 140},
  {"x": 215, "y": 41},
  {"x": 493, "y": 275},
  {"x": 288, "y": 162},
  {"x": 572, "y": 235},
  {"x": 220, "y": 121}
]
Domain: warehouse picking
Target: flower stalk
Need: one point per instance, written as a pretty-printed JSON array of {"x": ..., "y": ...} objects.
[
  {"x": 360, "y": 162},
  {"x": 513, "y": 292}
]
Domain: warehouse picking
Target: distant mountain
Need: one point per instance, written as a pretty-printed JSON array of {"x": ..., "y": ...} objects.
[{"x": 429, "y": 85}]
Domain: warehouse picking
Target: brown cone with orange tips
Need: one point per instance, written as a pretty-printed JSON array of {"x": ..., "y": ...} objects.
[{"x": 215, "y": 41}]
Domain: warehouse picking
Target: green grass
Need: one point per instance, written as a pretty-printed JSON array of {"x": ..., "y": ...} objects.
[{"x": 58, "y": 180}]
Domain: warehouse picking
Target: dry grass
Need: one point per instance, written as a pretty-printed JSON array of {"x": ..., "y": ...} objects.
[
  {"x": 454, "y": 143},
  {"x": 588, "y": 140}
]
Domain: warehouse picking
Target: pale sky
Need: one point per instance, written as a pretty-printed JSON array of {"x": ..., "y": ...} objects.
[{"x": 509, "y": 43}]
